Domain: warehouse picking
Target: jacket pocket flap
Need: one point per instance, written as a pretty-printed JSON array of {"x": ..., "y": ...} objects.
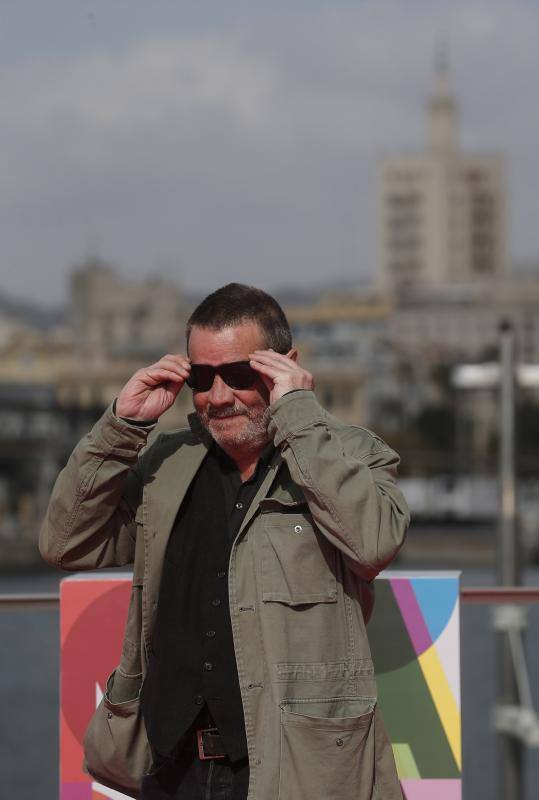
[
  {"x": 269, "y": 504},
  {"x": 298, "y": 563},
  {"x": 329, "y": 713}
]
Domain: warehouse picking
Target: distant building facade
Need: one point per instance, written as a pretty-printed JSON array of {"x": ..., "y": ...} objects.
[
  {"x": 441, "y": 213},
  {"x": 54, "y": 384},
  {"x": 462, "y": 323},
  {"x": 360, "y": 375},
  {"x": 112, "y": 317}
]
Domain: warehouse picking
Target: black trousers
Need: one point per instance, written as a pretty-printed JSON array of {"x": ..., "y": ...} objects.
[{"x": 184, "y": 776}]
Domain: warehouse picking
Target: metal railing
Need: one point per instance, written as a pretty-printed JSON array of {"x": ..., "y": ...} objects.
[
  {"x": 12, "y": 600},
  {"x": 489, "y": 595},
  {"x": 495, "y": 595}
]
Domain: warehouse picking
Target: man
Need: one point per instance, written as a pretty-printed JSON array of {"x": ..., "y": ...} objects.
[{"x": 255, "y": 537}]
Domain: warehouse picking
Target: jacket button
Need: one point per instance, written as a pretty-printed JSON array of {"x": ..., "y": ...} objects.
[
  {"x": 210, "y": 634},
  {"x": 109, "y": 715},
  {"x": 208, "y": 666},
  {"x": 199, "y": 700},
  {"x": 221, "y": 573},
  {"x": 298, "y": 529},
  {"x": 216, "y": 602},
  {"x": 339, "y": 742}
]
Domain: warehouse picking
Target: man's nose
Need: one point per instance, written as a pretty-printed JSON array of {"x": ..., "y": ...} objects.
[{"x": 220, "y": 393}]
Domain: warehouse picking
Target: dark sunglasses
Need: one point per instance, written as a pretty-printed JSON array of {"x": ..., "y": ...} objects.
[{"x": 238, "y": 375}]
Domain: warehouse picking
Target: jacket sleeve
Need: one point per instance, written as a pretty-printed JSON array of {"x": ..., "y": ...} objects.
[
  {"x": 90, "y": 520},
  {"x": 347, "y": 475}
]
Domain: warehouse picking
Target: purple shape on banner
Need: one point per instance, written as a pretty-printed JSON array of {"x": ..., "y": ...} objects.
[
  {"x": 411, "y": 613},
  {"x": 76, "y": 791},
  {"x": 442, "y": 789}
]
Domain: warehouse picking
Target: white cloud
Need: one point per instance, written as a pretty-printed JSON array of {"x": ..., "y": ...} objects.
[
  {"x": 97, "y": 103},
  {"x": 253, "y": 147}
]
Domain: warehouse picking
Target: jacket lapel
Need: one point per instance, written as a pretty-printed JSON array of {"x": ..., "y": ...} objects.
[
  {"x": 164, "y": 496},
  {"x": 262, "y": 490},
  {"x": 177, "y": 463}
]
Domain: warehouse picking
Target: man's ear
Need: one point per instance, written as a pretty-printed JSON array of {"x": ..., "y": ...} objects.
[{"x": 293, "y": 354}]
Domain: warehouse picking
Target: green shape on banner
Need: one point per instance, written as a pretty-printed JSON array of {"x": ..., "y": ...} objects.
[
  {"x": 411, "y": 717},
  {"x": 388, "y": 636},
  {"x": 405, "y": 761}
]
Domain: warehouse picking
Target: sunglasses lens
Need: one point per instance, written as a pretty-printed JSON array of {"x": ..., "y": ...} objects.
[
  {"x": 238, "y": 376},
  {"x": 201, "y": 377}
]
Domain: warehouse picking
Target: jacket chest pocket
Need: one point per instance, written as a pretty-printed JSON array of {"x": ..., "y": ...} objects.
[{"x": 297, "y": 563}]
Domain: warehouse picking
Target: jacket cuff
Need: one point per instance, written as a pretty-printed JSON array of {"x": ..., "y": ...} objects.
[
  {"x": 138, "y": 423},
  {"x": 114, "y": 435},
  {"x": 292, "y": 413}
]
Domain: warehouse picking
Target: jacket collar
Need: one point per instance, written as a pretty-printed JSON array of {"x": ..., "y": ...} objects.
[
  {"x": 198, "y": 430},
  {"x": 177, "y": 471}
]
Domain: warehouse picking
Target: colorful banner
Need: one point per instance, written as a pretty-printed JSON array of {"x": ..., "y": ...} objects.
[
  {"x": 414, "y": 635},
  {"x": 415, "y": 640},
  {"x": 93, "y": 610}
]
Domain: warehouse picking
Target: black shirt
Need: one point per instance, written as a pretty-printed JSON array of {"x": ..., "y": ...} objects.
[
  {"x": 238, "y": 495},
  {"x": 193, "y": 669}
]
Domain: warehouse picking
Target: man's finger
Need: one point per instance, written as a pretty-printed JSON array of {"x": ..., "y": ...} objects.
[
  {"x": 159, "y": 375},
  {"x": 166, "y": 363},
  {"x": 278, "y": 359},
  {"x": 269, "y": 383},
  {"x": 266, "y": 369},
  {"x": 173, "y": 363}
]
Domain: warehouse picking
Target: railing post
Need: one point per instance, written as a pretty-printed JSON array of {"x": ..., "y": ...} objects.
[{"x": 511, "y": 753}]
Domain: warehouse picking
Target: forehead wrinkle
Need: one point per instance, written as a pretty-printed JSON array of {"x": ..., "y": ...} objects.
[{"x": 226, "y": 345}]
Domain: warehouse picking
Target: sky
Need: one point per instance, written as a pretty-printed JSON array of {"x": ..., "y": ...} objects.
[{"x": 212, "y": 141}]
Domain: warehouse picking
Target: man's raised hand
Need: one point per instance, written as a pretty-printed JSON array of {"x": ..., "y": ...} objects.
[
  {"x": 281, "y": 374},
  {"x": 152, "y": 390}
]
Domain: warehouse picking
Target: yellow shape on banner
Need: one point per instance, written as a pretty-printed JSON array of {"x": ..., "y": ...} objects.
[{"x": 443, "y": 698}]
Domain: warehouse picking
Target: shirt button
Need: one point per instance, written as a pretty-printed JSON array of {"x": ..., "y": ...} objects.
[
  {"x": 239, "y": 505},
  {"x": 216, "y": 602},
  {"x": 199, "y": 700},
  {"x": 221, "y": 573},
  {"x": 210, "y": 634},
  {"x": 208, "y": 666}
]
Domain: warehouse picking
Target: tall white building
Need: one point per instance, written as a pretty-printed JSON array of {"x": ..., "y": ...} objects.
[{"x": 441, "y": 213}]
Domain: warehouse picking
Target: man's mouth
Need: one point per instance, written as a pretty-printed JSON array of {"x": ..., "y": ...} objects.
[{"x": 224, "y": 414}]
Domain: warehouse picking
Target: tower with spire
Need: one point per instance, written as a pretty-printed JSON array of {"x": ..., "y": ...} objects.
[
  {"x": 441, "y": 212},
  {"x": 442, "y": 108}
]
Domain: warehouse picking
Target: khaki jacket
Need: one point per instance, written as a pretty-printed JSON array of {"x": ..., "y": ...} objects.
[{"x": 327, "y": 518}]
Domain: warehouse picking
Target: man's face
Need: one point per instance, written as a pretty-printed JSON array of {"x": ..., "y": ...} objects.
[{"x": 232, "y": 416}]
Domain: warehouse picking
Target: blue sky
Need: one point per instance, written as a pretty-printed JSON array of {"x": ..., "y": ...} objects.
[{"x": 212, "y": 141}]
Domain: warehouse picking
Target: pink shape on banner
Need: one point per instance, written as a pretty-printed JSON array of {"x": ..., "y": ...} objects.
[
  {"x": 76, "y": 791},
  {"x": 427, "y": 789},
  {"x": 411, "y": 613}
]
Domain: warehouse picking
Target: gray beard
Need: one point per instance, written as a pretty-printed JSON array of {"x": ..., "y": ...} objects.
[{"x": 254, "y": 433}]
